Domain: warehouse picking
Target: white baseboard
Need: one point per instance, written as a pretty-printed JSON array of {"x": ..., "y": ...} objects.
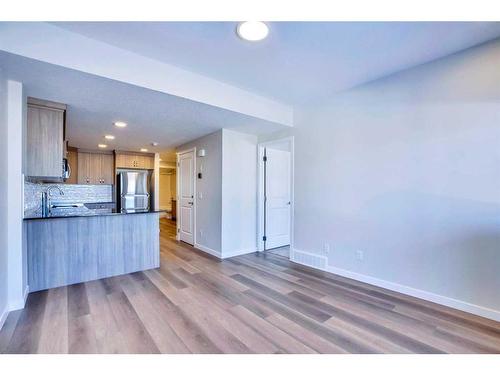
[
  {"x": 207, "y": 250},
  {"x": 418, "y": 293},
  {"x": 217, "y": 254},
  {"x": 3, "y": 317},
  {"x": 238, "y": 253}
]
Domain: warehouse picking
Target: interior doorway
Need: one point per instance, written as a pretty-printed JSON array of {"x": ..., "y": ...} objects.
[
  {"x": 168, "y": 189},
  {"x": 186, "y": 191},
  {"x": 275, "y": 202}
]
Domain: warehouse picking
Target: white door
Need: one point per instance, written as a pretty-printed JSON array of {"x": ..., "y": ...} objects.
[
  {"x": 277, "y": 198},
  {"x": 186, "y": 197}
]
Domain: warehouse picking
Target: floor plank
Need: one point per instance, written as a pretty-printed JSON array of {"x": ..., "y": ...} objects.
[{"x": 255, "y": 303}]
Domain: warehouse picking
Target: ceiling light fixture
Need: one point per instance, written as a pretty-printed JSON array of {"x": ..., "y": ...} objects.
[
  {"x": 154, "y": 144},
  {"x": 144, "y": 150},
  {"x": 109, "y": 136},
  {"x": 101, "y": 145},
  {"x": 252, "y": 31},
  {"x": 120, "y": 124}
]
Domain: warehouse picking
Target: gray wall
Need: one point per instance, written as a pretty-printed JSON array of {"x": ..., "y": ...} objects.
[
  {"x": 239, "y": 193},
  {"x": 3, "y": 193},
  {"x": 209, "y": 209},
  {"x": 407, "y": 170}
]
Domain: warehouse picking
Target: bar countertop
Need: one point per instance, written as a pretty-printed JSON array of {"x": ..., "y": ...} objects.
[{"x": 94, "y": 214}]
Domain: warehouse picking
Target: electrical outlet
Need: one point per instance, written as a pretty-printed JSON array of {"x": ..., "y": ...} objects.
[
  {"x": 326, "y": 248},
  {"x": 360, "y": 255}
]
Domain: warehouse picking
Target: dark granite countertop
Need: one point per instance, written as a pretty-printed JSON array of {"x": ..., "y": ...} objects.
[{"x": 93, "y": 214}]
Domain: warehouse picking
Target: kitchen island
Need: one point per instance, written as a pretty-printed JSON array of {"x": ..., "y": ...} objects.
[{"x": 65, "y": 250}]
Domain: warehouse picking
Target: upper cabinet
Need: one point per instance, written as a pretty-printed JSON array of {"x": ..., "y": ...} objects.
[
  {"x": 95, "y": 168},
  {"x": 45, "y": 139},
  {"x": 107, "y": 169},
  {"x": 131, "y": 160}
]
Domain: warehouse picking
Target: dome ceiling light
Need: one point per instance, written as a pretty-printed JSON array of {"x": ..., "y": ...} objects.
[{"x": 252, "y": 31}]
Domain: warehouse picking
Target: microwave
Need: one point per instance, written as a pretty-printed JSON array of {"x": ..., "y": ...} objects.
[{"x": 66, "y": 170}]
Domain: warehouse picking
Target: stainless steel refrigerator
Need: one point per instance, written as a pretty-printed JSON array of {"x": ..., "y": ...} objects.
[{"x": 134, "y": 191}]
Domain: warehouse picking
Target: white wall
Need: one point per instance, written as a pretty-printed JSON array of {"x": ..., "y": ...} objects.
[
  {"x": 156, "y": 182},
  {"x": 209, "y": 208},
  {"x": 17, "y": 259},
  {"x": 239, "y": 193},
  {"x": 3, "y": 202},
  {"x": 407, "y": 170},
  {"x": 226, "y": 214}
]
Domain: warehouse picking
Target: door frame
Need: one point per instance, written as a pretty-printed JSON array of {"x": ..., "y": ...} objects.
[
  {"x": 178, "y": 226},
  {"x": 260, "y": 189}
]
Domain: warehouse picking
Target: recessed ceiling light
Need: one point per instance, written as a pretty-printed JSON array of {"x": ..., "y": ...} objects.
[
  {"x": 144, "y": 150},
  {"x": 101, "y": 145},
  {"x": 109, "y": 136},
  {"x": 120, "y": 124},
  {"x": 154, "y": 144},
  {"x": 252, "y": 30},
  {"x": 160, "y": 159}
]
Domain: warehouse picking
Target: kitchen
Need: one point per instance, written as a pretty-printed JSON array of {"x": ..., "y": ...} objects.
[{"x": 88, "y": 213}]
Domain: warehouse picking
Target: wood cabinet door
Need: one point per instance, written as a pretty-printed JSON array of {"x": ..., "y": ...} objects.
[
  {"x": 149, "y": 162},
  {"x": 121, "y": 161},
  {"x": 84, "y": 165},
  {"x": 139, "y": 161},
  {"x": 125, "y": 161},
  {"x": 107, "y": 169},
  {"x": 95, "y": 169},
  {"x": 134, "y": 161},
  {"x": 45, "y": 133}
]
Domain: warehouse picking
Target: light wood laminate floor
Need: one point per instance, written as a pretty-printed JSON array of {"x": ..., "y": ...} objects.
[{"x": 257, "y": 303}]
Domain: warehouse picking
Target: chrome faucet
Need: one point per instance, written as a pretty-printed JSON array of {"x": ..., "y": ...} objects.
[{"x": 46, "y": 199}]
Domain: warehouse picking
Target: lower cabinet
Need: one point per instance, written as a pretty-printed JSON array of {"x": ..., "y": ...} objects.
[{"x": 95, "y": 168}]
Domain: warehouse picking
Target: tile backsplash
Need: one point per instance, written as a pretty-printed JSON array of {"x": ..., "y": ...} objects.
[{"x": 72, "y": 193}]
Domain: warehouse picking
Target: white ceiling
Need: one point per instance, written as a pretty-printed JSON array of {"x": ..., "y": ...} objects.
[
  {"x": 299, "y": 61},
  {"x": 94, "y": 103}
]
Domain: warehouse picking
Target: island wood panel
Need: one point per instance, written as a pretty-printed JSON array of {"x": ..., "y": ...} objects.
[{"x": 66, "y": 251}]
